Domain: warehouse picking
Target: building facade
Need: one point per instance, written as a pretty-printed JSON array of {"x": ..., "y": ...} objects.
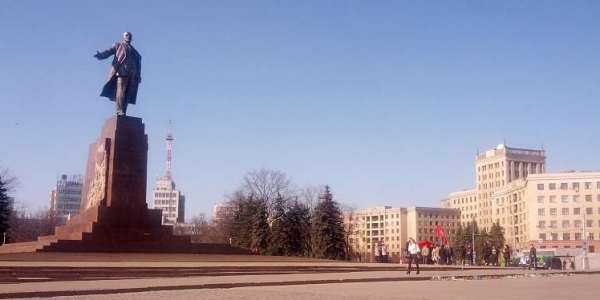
[
  {"x": 391, "y": 226},
  {"x": 550, "y": 210},
  {"x": 165, "y": 195},
  {"x": 65, "y": 197},
  {"x": 496, "y": 169}
]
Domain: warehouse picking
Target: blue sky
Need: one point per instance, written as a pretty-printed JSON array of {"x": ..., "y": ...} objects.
[{"x": 388, "y": 102}]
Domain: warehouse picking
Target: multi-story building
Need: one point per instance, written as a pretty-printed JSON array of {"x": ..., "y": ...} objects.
[
  {"x": 168, "y": 198},
  {"x": 65, "y": 197},
  {"x": 165, "y": 195},
  {"x": 393, "y": 227},
  {"x": 466, "y": 202},
  {"x": 496, "y": 169},
  {"x": 550, "y": 210}
]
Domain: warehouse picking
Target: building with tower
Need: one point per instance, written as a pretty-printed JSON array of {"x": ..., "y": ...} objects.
[
  {"x": 553, "y": 211},
  {"x": 65, "y": 197},
  {"x": 165, "y": 195}
]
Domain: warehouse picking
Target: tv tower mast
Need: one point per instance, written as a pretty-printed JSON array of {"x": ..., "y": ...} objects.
[{"x": 169, "y": 147}]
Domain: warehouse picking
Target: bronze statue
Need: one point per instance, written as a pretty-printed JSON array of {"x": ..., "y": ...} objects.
[{"x": 124, "y": 73}]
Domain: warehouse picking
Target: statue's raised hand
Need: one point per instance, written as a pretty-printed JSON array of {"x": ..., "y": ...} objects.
[{"x": 97, "y": 55}]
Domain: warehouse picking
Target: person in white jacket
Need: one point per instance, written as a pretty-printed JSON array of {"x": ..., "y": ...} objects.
[{"x": 413, "y": 252}]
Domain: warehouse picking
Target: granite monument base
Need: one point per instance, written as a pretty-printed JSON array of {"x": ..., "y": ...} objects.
[{"x": 115, "y": 216}]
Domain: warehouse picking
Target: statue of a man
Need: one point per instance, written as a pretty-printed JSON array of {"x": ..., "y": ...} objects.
[{"x": 124, "y": 74}]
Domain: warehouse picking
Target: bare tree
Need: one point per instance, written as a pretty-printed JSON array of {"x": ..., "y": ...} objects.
[
  {"x": 311, "y": 196},
  {"x": 27, "y": 226},
  {"x": 351, "y": 229},
  {"x": 266, "y": 185},
  {"x": 9, "y": 180}
]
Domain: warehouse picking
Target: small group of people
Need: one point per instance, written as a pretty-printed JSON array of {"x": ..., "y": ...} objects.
[
  {"x": 437, "y": 255},
  {"x": 490, "y": 255},
  {"x": 381, "y": 253},
  {"x": 529, "y": 261}
]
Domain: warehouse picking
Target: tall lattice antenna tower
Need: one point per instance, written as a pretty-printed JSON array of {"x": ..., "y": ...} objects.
[{"x": 169, "y": 147}]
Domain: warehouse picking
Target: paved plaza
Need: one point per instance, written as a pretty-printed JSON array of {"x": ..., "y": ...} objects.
[{"x": 99, "y": 276}]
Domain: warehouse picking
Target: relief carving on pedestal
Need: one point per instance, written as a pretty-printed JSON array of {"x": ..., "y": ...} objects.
[{"x": 97, "y": 190}]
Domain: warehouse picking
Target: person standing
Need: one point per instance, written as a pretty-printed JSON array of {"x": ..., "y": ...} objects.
[
  {"x": 506, "y": 254},
  {"x": 413, "y": 250},
  {"x": 532, "y": 257},
  {"x": 449, "y": 254},
  {"x": 470, "y": 254},
  {"x": 425, "y": 254},
  {"x": 124, "y": 74},
  {"x": 384, "y": 253}
]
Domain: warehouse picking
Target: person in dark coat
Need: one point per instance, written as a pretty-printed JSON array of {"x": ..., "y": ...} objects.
[
  {"x": 506, "y": 254},
  {"x": 532, "y": 257},
  {"x": 124, "y": 74}
]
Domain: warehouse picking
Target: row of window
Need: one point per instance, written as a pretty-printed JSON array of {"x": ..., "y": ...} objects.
[
  {"x": 168, "y": 208},
  {"x": 565, "y": 186},
  {"x": 565, "y": 198},
  {"x": 565, "y": 211},
  {"x": 164, "y": 202},
  {"x": 68, "y": 206},
  {"x": 165, "y": 195},
  {"x": 382, "y": 217},
  {"x": 567, "y": 224},
  {"x": 566, "y": 236}
]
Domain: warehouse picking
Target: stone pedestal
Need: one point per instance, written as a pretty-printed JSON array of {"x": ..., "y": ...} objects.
[{"x": 114, "y": 215}]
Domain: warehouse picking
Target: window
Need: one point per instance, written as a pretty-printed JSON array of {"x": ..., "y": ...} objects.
[
  {"x": 542, "y": 236},
  {"x": 552, "y": 186},
  {"x": 540, "y": 186},
  {"x": 552, "y": 199},
  {"x": 540, "y": 199},
  {"x": 576, "y": 185},
  {"x": 553, "y": 211},
  {"x": 542, "y": 224},
  {"x": 576, "y": 198},
  {"x": 565, "y": 211},
  {"x": 576, "y": 211},
  {"x": 564, "y": 186},
  {"x": 566, "y": 236},
  {"x": 541, "y": 212},
  {"x": 553, "y": 224},
  {"x": 589, "y": 223},
  {"x": 578, "y": 236},
  {"x": 588, "y": 198},
  {"x": 566, "y": 224},
  {"x": 588, "y": 185},
  {"x": 589, "y": 210},
  {"x": 577, "y": 224},
  {"x": 554, "y": 236},
  {"x": 591, "y": 238},
  {"x": 564, "y": 198}
]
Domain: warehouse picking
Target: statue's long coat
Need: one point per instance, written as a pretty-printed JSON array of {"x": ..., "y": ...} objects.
[{"x": 122, "y": 52}]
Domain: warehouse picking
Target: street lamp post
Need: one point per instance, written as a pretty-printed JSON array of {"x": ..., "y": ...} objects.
[
  {"x": 473, "y": 238},
  {"x": 584, "y": 260}
]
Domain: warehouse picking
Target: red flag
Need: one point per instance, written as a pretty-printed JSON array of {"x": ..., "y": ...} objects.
[{"x": 440, "y": 233}]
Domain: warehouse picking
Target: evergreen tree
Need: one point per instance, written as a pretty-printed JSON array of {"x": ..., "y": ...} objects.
[
  {"x": 260, "y": 226},
  {"x": 279, "y": 228},
  {"x": 240, "y": 225},
  {"x": 5, "y": 209},
  {"x": 297, "y": 220},
  {"x": 497, "y": 235},
  {"x": 459, "y": 243},
  {"x": 328, "y": 229}
]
